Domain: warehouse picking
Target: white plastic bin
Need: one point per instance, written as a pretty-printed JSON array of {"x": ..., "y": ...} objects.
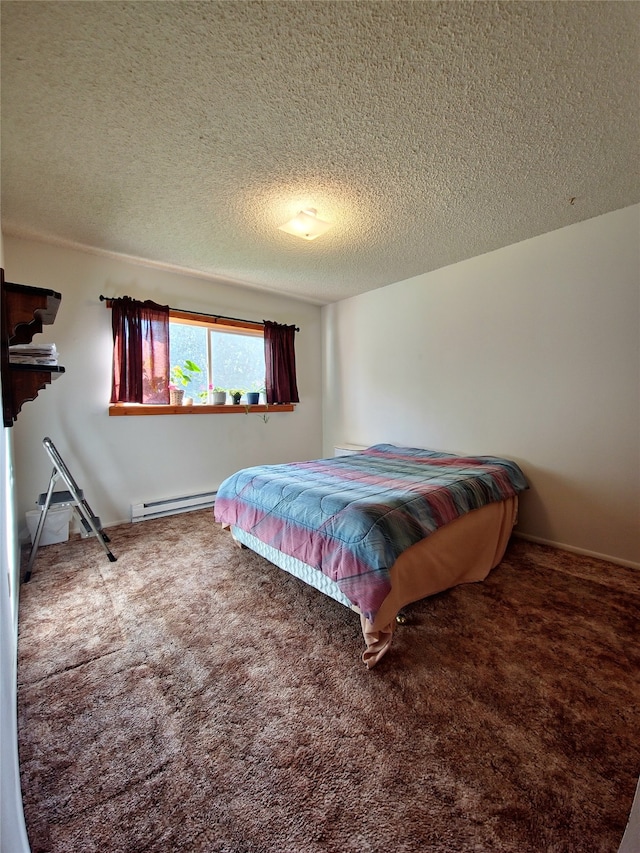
[{"x": 56, "y": 524}]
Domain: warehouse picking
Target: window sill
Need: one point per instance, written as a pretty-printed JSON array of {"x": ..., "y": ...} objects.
[{"x": 137, "y": 409}]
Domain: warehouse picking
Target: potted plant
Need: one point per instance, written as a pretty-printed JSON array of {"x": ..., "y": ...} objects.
[
  {"x": 253, "y": 396},
  {"x": 175, "y": 394},
  {"x": 181, "y": 376},
  {"x": 236, "y": 394},
  {"x": 218, "y": 396}
]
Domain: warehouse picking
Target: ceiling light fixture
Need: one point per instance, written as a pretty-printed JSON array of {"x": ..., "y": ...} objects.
[{"x": 306, "y": 225}]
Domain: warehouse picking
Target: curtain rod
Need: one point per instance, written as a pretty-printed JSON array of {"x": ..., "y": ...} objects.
[{"x": 199, "y": 313}]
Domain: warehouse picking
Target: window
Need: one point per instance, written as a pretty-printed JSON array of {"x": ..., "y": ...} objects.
[
  {"x": 157, "y": 349},
  {"x": 230, "y": 357}
]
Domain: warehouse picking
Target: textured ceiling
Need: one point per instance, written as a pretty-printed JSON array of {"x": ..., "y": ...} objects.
[{"x": 186, "y": 133}]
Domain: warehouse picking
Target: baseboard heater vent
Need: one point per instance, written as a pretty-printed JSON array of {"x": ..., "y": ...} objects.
[{"x": 171, "y": 506}]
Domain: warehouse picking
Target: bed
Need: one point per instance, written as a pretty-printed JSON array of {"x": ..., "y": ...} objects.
[{"x": 379, "y": 529}]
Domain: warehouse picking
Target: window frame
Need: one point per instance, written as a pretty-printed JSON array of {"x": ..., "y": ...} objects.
[{"x": 208, "y": 321}]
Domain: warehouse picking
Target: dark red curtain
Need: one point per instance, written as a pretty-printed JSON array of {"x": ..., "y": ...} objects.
[
  {"x": 140, "y": 351},
  {"x": 280, "y": 363}
]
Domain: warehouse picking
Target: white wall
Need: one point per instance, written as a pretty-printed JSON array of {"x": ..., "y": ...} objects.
[
  {"x": 531, "y": 352},
  {"x": 123, "y": 460},
  {"x": 631, "y": 839},
  {"x": 13, "y": 835}
]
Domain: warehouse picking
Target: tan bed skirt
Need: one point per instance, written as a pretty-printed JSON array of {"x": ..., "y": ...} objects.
[{"x": 463, "y": 551}]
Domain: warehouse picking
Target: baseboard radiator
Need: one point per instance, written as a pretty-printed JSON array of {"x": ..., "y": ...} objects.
[{"x": 171, "y": 506}]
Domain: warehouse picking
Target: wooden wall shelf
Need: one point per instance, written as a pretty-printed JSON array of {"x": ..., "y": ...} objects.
[{"x": 24, "y": 311}]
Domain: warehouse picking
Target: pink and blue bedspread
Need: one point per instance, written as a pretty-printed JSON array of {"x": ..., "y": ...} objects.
[{"x": 352, "y": 516}]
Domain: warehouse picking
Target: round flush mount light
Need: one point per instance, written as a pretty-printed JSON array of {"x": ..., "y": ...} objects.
[{"x": 306, "y": 225}]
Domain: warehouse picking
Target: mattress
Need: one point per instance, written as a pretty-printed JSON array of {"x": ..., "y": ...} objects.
[{"x": 352, "y": 517}]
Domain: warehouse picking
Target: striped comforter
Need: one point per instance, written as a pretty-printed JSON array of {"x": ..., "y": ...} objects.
[{"x": 352, "y": 516}]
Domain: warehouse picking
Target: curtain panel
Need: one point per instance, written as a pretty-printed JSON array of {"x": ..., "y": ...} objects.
[
  {"x": 140, "y": 351},
  {"x": 280, "y": 363}
]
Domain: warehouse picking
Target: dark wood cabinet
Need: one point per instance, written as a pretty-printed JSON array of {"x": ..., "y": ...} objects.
[{"x": 24, "y": 311}]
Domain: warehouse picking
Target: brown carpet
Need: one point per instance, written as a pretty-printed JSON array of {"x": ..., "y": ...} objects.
[{"x": 193, "y": 697}]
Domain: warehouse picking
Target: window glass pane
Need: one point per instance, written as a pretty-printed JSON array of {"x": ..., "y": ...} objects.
[
  {"x": 189, "y": 343},
  {"x": 237, "y": 361}
]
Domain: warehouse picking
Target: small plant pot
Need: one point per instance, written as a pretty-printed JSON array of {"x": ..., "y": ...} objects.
[
  {"x": 253, "y": 398},
  {"x": 175, "y": 396},
  {"x": 236, "y": 399},
  {"x": 218, "y": 398}
]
